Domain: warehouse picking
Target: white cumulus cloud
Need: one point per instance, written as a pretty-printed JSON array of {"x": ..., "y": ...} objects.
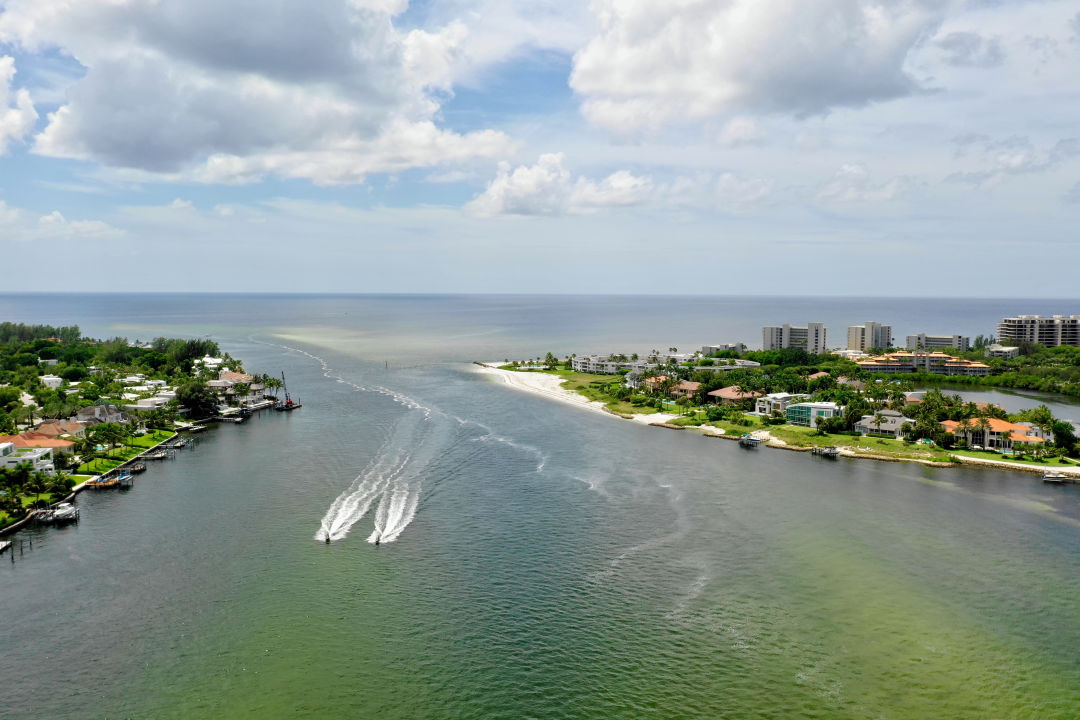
[
  {"x": 655, "y": 63},
  {"x": 232, "y": 91},
  {"x": 17, "y": 113},
  {"x": 548, "y": 188}
]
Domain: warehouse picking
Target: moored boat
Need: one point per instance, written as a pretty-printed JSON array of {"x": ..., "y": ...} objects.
[
  {"x": 749, "y": 441},
  {"x": 288, "y": 404},
  {"x": 59, "y": 513},
  {"x": 831, "y": 452},
  {"x": 1054, "y": 477}
]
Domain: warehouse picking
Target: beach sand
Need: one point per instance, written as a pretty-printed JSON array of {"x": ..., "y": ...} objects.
[{"x": 550, "y": 386}]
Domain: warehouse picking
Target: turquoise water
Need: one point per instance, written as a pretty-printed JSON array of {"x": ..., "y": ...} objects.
[{"x": 545, "y": 562}]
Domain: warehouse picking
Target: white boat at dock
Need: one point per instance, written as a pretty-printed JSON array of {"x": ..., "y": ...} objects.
[
  {"x": 59, "y": 513},
  {"x": 1054, "y": 477},
  {"x": 749, "y": 441}
]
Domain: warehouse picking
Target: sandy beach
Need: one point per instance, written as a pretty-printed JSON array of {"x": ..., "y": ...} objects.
[{"x": 550, "y": 386}]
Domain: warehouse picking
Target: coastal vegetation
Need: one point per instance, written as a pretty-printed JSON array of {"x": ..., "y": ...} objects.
[
  {"x": 681, "y": 386},
  {"x": 107, "y": 401}
]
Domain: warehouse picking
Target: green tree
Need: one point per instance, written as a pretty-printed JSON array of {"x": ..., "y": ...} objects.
[{"x": 199, "y": 399}]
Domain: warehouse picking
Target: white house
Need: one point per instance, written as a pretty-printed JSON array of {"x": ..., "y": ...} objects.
[
  {"x": 776, "y": 402},
  {"x": 891, "y": 424},
  {"x": 40, "y": 459},
  {"x": 52, "y": 381},
  {"x": 811, "y": 413}
]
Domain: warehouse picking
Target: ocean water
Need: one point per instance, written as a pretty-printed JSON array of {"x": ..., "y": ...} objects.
[{"x": 535, "y": 560}]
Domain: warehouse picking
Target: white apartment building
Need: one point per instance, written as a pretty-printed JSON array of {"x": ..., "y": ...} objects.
[
  {"x": 922, "y": 341},
  {"x": 813, "y": 338},
  {"x": 870, "y": 335},
  {"x": 723, "y": 347},
  {"x": 1050, "y": 331}
]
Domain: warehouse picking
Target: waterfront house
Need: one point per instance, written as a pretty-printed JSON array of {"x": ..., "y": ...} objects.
[
  {"x": 40, "y": 459},
  {"x": 97, "y": 414},
  {"x": 891, "y": 424},
  {"x": 34, "y": 439},
  {"x": 776, "y": 402},
  {"x": 733, "y": 395},
  {"x": 809, "y": 414},
  {"x": 686, "y": 389},
  {"x": 994, "y": 433},
  {"x": 61, "y": 427},
  {"x": 235, "y": 377},
  {"x": 655, "y": 382}
]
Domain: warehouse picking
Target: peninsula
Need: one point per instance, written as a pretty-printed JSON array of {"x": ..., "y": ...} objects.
[{"x": 879, "y": 403}]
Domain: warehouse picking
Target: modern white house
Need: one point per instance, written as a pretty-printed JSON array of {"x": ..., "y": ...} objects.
[
  {"x": 814, "y": 338},
  {"x": 809, "y": 414},
  {"x": 52, "y": 381},
  {"x": 40, "y": 459},
  {"x": 776, "y": 402},
  {"x": 1005, "y": 352},
  {"x": 891, "y": 424},
  {"x": 922, "y": 341},
  {"x": 869, "y": 335}
]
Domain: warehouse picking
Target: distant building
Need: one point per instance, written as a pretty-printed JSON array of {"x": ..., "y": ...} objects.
[
  {"x": 1050, "y": 331},
  {"x": 1004, "y": 352},
  {"x": 809, "y": 414},
  {"x": 938, "y": 363},
  {"x": 870, "y": 335},
  {"x": 723, "y": 347},
  {"x": 52, "y": 381},
  {"x": 922, "y": 341},
  {"x": 813, "y": 338}
]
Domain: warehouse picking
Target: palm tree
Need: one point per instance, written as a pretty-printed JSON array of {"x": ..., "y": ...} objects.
[
  {"x": 984, "y": 426},
  {"x": 878, "y": 419}
]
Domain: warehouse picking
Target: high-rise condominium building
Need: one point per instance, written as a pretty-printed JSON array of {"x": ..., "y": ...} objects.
[
  {"x": 870, "y": 335},
  {"x": 1050, "y": 331},
  {"x": 922, "y": 341},
  {"x": 813, "y": 338}
]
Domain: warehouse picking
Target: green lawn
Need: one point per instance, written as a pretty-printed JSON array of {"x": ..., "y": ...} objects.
[{"x": 120, "y": 455}]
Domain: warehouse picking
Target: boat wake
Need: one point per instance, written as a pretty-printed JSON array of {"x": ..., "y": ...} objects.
[{"x": 424, "y": 446}]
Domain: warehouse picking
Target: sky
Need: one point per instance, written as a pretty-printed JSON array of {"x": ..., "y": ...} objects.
[{"x": 779, "y": 147}]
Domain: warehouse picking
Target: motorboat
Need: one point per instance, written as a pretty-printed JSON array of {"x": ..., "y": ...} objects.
[
  {"x": 63, "y": 512},
  {"x": 1054, "y": 477}
]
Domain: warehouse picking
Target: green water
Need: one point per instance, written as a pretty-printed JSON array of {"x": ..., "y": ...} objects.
[{"x": 559, "y": 564}]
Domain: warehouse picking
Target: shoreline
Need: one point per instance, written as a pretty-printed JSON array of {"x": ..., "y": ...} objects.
[{"x": 550, "y": 386}]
